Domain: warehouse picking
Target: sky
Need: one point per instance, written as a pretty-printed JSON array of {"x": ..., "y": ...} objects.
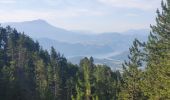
[{"x": 87, "y": 15}]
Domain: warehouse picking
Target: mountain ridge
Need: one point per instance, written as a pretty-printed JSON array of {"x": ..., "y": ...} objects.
[{"x": 75, "y": 44}]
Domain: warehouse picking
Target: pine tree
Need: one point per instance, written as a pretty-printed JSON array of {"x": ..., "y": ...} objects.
[
  {"x": 132, "y": 74},
  {"x": 157, "y": 77},
  {"x": 104, "y": 86},
  {"x": 3, "y": 61},
  {"x": 41, "y": 79},
  {"x": 86, "y": 76},
  {"x": 83, "y": 86},
  {"x": 55, "y": 74},
  {"x": 79, "y": 91}
]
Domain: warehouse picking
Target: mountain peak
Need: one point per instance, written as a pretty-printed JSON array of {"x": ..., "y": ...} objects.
[{"x": 39, "y": 21}]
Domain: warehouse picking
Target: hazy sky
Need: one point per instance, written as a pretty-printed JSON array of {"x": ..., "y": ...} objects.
[{"x": 91, "y": 15}]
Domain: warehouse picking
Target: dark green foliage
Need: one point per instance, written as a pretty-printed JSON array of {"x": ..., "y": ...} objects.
[
  {"x": 132, "y": 73},
  {"x": 27, "y": 72},
  {"x": 156, "y": 83},
  {"x": 153, "y": 83},
  {"x": 96, "y": 82}
]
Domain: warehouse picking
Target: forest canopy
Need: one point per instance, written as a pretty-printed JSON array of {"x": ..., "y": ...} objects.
[{"x": 28, "y": 72}]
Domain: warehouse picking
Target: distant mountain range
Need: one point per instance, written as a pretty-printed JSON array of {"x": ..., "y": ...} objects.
[{"x": 106, "y": 48}]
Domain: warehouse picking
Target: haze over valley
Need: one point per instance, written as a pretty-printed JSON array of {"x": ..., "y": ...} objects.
[
  {"x": 110, "y": 48},
  {"x": 85, "y": 50}
]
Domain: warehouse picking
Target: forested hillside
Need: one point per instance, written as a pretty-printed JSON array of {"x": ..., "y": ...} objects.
[{"x": 28, "y": 72}]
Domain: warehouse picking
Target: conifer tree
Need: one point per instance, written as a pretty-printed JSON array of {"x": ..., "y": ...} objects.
[
  {"x": 104, "y": 85},
  {"x": 55, "y": 74},
  {"x": 86, "y": 77},
  {"x": 3, "y": 60},
  {"x": 41, "y": 80},
  {"x": 157, "y": 77},
  {"x": 132, "y": 74}
]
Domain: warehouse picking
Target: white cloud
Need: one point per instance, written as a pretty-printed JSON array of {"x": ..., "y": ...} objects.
[
  {"x": 22, "y": 15},
  {"x": 7, "y": 1},
  {"x": 97, "y": 18},
  {"x": 53, "y": 2},
  {"x": 138, "y": 4},
  {"x": 132, "y": 15}
]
